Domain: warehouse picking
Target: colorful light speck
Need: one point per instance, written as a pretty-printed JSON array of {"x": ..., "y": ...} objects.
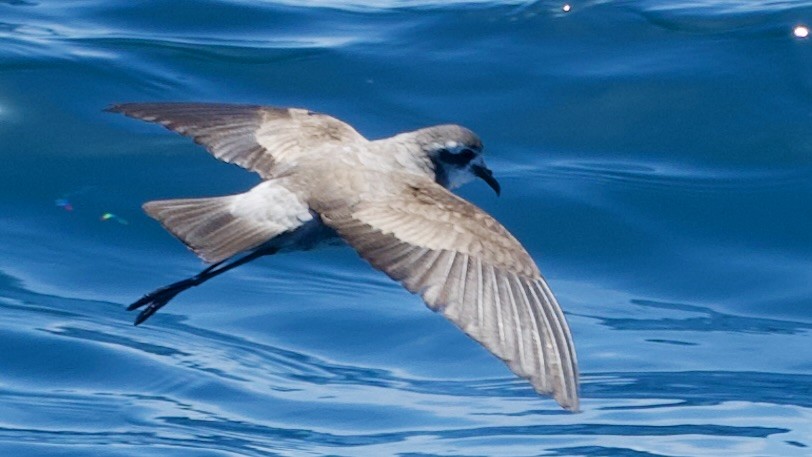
[
  {"x": 64, "y": 204},
  {"x": 112, "y": 217}
]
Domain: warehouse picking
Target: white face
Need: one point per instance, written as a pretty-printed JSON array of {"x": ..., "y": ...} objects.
[
  {"x": 457, "y": 176},
  {"x": 460, "y": 164}
]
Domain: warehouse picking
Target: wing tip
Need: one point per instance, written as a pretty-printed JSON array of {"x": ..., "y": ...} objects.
[
  {"x": 152, "y": 208},
  {"x": 571, "y": 404},
  {"x": 139, "y": 109},
  {"x": 127, "y": 109},
  {"x": 566, "y": 395},
  {"x": 115, "y": 108}
]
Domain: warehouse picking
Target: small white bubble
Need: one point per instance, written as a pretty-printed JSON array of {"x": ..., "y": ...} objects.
[
  {"x": 566, "y": 8},
  {"x": 801, "y": 31}
]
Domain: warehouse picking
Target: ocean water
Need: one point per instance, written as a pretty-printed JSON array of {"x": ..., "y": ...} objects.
[{"x": 655, "y": 158}]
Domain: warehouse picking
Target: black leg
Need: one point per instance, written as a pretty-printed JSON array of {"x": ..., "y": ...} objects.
[{"x": 158, "y": 298}]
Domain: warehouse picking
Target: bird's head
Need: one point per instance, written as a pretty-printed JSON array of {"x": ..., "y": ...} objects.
[{"x": 456, "y": 154}]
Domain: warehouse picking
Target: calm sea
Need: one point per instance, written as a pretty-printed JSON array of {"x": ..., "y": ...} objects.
[{"x": 655, "y": 158}]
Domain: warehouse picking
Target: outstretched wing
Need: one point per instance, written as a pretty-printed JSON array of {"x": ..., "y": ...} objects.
[
  {"x": 468, "y": 267},
  {"x": 254, "y": 137}
]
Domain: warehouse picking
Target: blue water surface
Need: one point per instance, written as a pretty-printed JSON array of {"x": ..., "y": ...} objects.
[{"x": 655, "y": 158}]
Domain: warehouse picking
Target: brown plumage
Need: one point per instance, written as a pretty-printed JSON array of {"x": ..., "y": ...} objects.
[{"x": 388, "y": 199}]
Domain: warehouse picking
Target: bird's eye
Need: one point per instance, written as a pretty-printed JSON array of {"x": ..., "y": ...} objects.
[
  {"x": 460, "y": 158},
  {"x": 466, "y": 155}
]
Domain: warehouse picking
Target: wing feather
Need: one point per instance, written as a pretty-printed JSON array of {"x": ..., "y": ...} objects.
[
  {"x": 255, "y": 137},
  {"x": 469, "y": 268},
  {"x": 531, "y": 322}
]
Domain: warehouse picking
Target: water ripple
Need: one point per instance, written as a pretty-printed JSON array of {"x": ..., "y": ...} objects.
[
  {"x": 646, "y": 175},
  {"x": 187, "y": 417},
  {"x": 714, "y": 16},
  {"x": 708, "y": 320}
]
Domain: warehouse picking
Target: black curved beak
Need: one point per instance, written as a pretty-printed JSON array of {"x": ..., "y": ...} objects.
[{"x": 487, "y": 176}]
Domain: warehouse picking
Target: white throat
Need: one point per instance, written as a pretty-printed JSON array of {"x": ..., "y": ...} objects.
[{"x": 456, "y": 177}]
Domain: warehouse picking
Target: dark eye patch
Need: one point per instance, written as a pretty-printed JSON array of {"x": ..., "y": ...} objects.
[{"x": 461, "y": 158}]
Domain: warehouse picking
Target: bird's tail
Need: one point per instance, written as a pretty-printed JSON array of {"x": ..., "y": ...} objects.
[{"x": 208, "y": 226}]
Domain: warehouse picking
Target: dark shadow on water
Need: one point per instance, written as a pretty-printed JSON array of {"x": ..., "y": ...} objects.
[
  {"x": 673, "y": 342},
  {"x": 587, "y": 429},
  {"x": 702, "y": 388},
  {"x": 708, "y": 321},
  {"x": 101, "y": 337},
  {"x": 601, "y": 451}
]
